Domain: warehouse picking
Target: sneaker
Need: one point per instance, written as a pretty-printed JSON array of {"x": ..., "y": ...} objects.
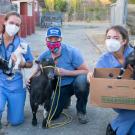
[
  {"x": 109, "y": 130},
  {"x": 82, "y": 118}
]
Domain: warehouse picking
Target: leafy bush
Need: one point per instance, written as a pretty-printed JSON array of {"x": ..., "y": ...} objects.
[
  {"x": 61, "y": 5},
  {"x": 131, "y": 1}
]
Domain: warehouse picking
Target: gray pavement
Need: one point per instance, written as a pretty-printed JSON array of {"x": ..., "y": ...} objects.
[{"x": 80, "y": 36}]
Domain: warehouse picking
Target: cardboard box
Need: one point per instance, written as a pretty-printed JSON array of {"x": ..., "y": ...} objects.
[{"x": 107, "y": 91}]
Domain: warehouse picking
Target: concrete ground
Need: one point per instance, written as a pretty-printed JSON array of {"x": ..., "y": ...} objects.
[{"x": 80, "y": 35}]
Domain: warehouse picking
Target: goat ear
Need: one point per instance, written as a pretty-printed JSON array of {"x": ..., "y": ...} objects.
[{"x": 37, "y": 62}]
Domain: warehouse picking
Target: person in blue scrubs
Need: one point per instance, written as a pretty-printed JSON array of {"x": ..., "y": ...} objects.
[
  {"x": 12, "y": 92},
  {"x": 73, "y": 71},
  {"x": 117, "y": 44}
]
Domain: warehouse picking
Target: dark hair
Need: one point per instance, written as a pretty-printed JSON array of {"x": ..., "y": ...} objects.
[
  {"x": 12, "y": 13},
  {"x": 121, "y": 30}
]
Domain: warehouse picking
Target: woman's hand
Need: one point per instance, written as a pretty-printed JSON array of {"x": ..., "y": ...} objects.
[
  {"x": 35, "y": 72},
  {"x": 13, "y": 57},
  {"x": 28, "y": 83},
  {"x": 22, "y": 64},
  {"x": 89, "y": 75},
  {"x": 130, "y": 67}
]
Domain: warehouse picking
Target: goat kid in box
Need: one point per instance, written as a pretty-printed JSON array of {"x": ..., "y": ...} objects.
[
  {"x": 41, "y": 89},
  {"x": 129, "y": 62}
]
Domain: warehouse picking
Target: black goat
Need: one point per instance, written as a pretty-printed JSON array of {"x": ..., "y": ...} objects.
[
  {"x": 130, "y": 60},
  {"x": 4, "y": 66},
  {"x": 41, "y": 89}
]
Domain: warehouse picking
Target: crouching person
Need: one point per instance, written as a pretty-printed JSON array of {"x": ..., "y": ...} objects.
[
  {"x": 118, "y": 49},
  {"x": 12, "y": 92},
  {"x": 73, "y": 71}
]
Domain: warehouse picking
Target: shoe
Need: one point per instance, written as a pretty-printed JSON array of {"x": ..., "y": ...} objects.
[
  {"x": 109, "y": 130},
  {"x": 68, "y": 103},
  {"x": 82, "y": 118}
]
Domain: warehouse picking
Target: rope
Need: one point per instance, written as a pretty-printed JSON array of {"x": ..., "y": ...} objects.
[{"x": 50, "y": 116}]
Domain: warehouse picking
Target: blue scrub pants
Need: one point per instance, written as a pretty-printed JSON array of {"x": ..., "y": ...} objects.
[
  {"x": 15, "y": 104},
  {"x": 79, "y": 88},
  {"x": 124, "y": 123},
  {"x": 132, "y": 130}
]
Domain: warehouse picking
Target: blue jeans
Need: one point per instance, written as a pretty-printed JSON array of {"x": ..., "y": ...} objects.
[{"x": 79, "y": 88}]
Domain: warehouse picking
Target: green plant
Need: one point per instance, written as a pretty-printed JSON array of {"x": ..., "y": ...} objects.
[
  {"x": 131, "y": 1},
  {"x": 60, "y": 5},
  {"x": 113, "y": 1}
]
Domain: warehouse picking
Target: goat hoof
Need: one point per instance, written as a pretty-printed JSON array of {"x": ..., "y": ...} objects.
[
  {"x": 44, "y": 124},
  {"x": 34, "y": 122}
]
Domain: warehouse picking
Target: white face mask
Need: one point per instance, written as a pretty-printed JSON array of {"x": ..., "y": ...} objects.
[
  {"x": 112, "y": 45},
  {"x": 11, "y": 29}
]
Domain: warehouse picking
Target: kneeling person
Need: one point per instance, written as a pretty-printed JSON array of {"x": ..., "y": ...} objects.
[{"x": 72, "y": 70}]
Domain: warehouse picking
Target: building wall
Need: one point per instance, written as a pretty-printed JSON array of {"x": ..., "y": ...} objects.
[
  {"x": 26, "y": 8},
  {"x": 30, "y": 15}
]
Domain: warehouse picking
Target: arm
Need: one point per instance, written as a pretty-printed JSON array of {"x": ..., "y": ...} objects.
[
  {"x": 27, "y": 59},
  {"x": 26, "y": 64},
  {"x": 23, "y": 63},
  {"x": 35, "y": 71},
  {"x": 82, "y": 69},
  {"x": 74, "y": 64}
]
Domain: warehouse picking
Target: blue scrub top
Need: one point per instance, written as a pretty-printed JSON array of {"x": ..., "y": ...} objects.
[
  {"x": 108, "y": 60},
  {"x": 16, "y": 83},
  {"x": 70, "y": 59},
  {"x": 126, "y": 118}
]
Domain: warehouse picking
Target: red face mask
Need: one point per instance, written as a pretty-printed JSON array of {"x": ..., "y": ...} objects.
[{"x": 53, "y": 46}]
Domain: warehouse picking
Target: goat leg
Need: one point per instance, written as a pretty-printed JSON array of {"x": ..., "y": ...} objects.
[
  {"x": 45, "y": 114},
  {"x": 34, "y": 108}
]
